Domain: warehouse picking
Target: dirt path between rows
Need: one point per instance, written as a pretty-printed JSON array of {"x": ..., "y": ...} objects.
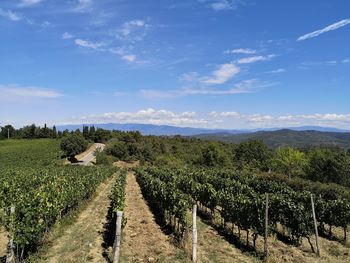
[
  {"x": 143, "y": 239},
  {"x": 82, "y": 242},
  {"x": 3, "y": 242},
  {"x": 213, "y": 248}
]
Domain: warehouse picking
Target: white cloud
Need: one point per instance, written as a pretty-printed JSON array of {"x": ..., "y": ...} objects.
[
  {"x": 27, "y": 3},
  {"x": 219, "y": 5},
  {"x": 249, "y": 60},
  {"x": 83, "y": 6},
  {"x": 280, "y": 70},
  {"x": 67, "y": 35},
  {"x": 331, "y": 27},
  {"x": 88, "y": 44},
  {"x": 133, "y": 30},
  {"x": 217, "y": 119},
  {"x": 147, "y": 116},
  {"x": 130, "y": 58},
  {"x": 10, "y": 92},
  {"x": 347, "y": 60},
  {"x": 222, "y": 74},
  {"x": 10, "y": 15},
  {"x": 240, "y": 51}
]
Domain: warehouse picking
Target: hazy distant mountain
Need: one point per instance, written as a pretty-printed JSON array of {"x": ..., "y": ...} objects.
[
  {"x": 273, "y": 136},
  {"x": 149, "y": 129},
  {"x": 295, "y": 138}
]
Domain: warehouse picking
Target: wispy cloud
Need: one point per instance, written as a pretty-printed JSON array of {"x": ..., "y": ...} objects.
[
  {"x": 222, "y": 74},
  {"x": 28, "y": 3},
  {"x": 88, "y": 44},
  {"x": 67, "y": 35},
  {"x": 8, "y": 14},
  {"x": 243, "y": 87},
  {"x": 11, "y": 92},
  {"x": 325, "y": 30},
  {"x": 249, "y": 60},
  {"x": 130, "y": 58},
  {"x": 83, "y": 6},
  {"x": 133, "y": 30},
  {"x": 219, "y": 5},
  {"x": 280, "y": 70},
  {"x": 240, "y": 51}
]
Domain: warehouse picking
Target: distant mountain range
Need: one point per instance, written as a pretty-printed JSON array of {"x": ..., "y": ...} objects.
[
  {"x": 300, "y": 137},
  {"x": 286, "y": 137},
  {"x": 150, "y": 129}
]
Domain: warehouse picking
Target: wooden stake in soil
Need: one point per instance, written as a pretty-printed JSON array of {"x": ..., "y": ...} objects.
[
  {"x": 266, "y": 225},
  {"x": 10, "y": 254},
  {"x": 194, "y": 234},
  {"x": 315, "y": 225},
  {"x": 116, "y": 250}
]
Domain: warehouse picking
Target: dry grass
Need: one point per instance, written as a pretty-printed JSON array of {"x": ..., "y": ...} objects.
[
  {"x": 82, "y": 241},
  {"x": 331, "y": 250},
  {"x": 126, "y": 165},
  {"x": 143, "y": 240},
  {"x": 3, "y": 242}
]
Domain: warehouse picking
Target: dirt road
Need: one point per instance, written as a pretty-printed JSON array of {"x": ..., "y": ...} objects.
[
  {"x": 88, "y": 156},
  {"x": 143, "y": 239}
]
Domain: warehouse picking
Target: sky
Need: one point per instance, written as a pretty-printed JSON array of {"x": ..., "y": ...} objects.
[{"x": 230, "y": 64}]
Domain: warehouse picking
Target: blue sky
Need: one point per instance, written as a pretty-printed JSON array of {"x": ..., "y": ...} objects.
[{"x": 199, "y": 63}]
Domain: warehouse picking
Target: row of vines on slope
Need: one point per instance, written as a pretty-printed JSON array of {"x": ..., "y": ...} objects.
[
  {"x": 40, "y": 196},
  {"x": 240, "y": 199},
  {"x": 167, "y": 200}
]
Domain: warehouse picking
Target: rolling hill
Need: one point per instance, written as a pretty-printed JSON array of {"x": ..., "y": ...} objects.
[{"x": 284, "y": 137}]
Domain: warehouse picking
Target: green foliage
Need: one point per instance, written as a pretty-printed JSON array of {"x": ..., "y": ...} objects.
[
  {"x": 213, "y": 155},
  {"x": 73, "y": 144},
  {"x": 118, "y": 149},
  {"x": 118, "y": 192},
  {"x": 40, "y": 190},
  {"x": 102, "y": 158},
  {"x": 289, "y": 161},
  {"x": 166, "y": 199},
  {"x": 253, "y": 153},
  {"x": 329, "y": 165},
  {"x": 241, "y": 197}
]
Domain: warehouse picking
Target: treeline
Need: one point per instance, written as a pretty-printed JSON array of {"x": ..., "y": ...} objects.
[
  {"x": 323, "y": 164},
  {"x": 90, "y": 133},
  {"x": 326, "y": 165}
]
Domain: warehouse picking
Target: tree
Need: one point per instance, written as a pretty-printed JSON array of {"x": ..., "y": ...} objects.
[
  {"x": 7, "y": 130},
  {"x": 73, "y": 144},
  {"x": 329, "y": 165},
  {"x": 118, "y": 149},
  {"x": 289, "y": 161},
  {"x": 213, "y": 155},
  {"x": 253, "y": 153}
]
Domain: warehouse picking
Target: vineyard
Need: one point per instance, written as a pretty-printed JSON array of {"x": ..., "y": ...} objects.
[
  {"x": 38, "y": 191},
  {"x": 34, "y": 197},
  {"x": 239, "y": 198}
]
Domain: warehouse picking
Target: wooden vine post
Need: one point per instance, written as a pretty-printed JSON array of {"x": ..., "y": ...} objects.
[
  {"x": 194, "y": 234},
  {"x": 315, "y": 225},
  {"x": 116, "y": 247},
  {"x": 266, "y": 225},
  {"x": 10, "y": 254}
]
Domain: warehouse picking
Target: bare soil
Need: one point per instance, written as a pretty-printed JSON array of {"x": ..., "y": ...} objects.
[
  {"x": 143, "y": 240},
  {"x": 3, "y": 242},
  {"x": 126, "y": 165},
  {"x": 82, "y": 241},
  {"x": 213, "y": 248}
]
